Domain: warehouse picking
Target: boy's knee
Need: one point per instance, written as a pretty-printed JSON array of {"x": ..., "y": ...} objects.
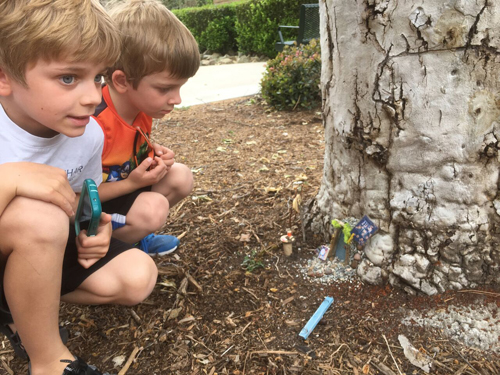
[
  {"x": 33, "y": 221},
  {"x": 156, "y": 211},
  {"x": 139, "y": 284},
  {"x": 183, "y": 182}
]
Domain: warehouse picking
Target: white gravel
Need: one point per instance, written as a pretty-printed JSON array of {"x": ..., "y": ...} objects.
[{"x": 474, "y": 326}]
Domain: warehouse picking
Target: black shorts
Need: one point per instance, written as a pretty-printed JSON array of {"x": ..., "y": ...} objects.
[
  {"x": 73, "y": 273},
  {"x": 121, "y": 205}
]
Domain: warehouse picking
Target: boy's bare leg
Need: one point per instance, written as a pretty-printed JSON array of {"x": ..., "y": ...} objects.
[
  {"x": 127, "y": 279},
  {"x": 33, "y": 239},
  {"x": 150, "y": 210},
  {"x": 176, "y": 185},
  {"x": 147, "y": 214}
]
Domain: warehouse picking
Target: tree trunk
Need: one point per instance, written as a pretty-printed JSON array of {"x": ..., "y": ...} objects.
[{"x": 411, "y": 108}]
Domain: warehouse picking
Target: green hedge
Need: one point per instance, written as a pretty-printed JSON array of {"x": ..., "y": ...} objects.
[
  {"x": 211, "y": 25},
  {"x": 248, "y": 26},
  {"x": 179, "y": 4},
  {"x": 257, "y": 23}
]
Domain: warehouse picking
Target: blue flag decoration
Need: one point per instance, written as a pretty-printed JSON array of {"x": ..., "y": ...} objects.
[{"x": 364, "y": 230}]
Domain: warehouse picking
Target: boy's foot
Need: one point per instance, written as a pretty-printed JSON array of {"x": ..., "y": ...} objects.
[
  {"x": 77, "y": 367},
  {"x": 161, "y": 244}
]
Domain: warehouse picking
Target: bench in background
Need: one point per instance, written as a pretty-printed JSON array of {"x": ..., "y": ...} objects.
[{"x": 308, "y": 27}]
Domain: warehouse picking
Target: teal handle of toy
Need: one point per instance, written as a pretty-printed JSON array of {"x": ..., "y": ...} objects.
[{"x": 88, "y": 213}]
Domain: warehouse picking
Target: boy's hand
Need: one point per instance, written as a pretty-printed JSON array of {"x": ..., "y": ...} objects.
[
  {"x": 45, "y": 183},
  {"x": 91, "y": 249},
  {"x": 142, "y": 177},
  {"x": 165, "y": 154}
]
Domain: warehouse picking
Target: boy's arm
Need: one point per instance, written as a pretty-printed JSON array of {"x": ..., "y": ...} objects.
[
  {"x": 140, "y": 177},
  {"x": 111, "y": 190},
  {"x": 36, "y": 181}
]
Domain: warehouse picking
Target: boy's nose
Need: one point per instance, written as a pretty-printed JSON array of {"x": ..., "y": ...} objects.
[
  {"x": 175, "y": 99},
  {"x": 92, "y": 95}
]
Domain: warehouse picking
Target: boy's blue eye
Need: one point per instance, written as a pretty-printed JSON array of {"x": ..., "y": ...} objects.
[
  {"x": 67, "y": 80},
  {"x": 99, "y": 78}
]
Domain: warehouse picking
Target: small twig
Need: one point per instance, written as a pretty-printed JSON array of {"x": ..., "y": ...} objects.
[
  {"x": 170, "y": 269},
  {"x": 480, "y": 292},
  {"x": 222, "y": 355},
  {"x": 135, "y": 316},
  {"x": 245, "y": 363},
  {"x": 383, "y": 368},
  {"x": 239, "y": 123},
  {"x": 260, "y": 338},
  {"x": 226, "y": 212},
  {"x": 177, "y": 209},
  {"x": 279, "y": 352},
  {"x": 202, "y": 344},
  {"x": 130, "y": 359},
  {"x": 442, "y": 365},
  {"x": 465, "y": 359},
  {"x": 390, "y": 352},
  {"x": 336, "y": 351},
  {"x": 250, "y": 292},
  {"x": 256, "y": 237},
  {"x": 296, "y": 104},
  {"x": 244, "y": 329},
  {"x": 183, "y": 287},
  {"x": 277, "y": 269},
  {"x": 6, "y": 367},
  {"x": 194, "y": 282}
]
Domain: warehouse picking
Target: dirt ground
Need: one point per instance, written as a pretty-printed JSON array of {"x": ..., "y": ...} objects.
[{"x": 209, "y": 315}]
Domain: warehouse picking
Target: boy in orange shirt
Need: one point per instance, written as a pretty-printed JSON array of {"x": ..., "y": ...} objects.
[{"x": 143, "y": 181}]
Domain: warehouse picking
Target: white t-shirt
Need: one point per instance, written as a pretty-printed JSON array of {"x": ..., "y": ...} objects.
[{"x": 80, "y": 157}]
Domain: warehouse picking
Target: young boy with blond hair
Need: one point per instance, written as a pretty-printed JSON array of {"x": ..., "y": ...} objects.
[
  {"x": 52, "y": 56},
  {"x": 159, "y": 55}
]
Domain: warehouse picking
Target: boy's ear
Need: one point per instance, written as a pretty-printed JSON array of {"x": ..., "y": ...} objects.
[
  {"x": 120, "y": 81},
  {"x": 5, "y": 83}
]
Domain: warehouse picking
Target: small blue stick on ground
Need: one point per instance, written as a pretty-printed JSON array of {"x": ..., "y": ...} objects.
[{"x": 311, "y": 324}]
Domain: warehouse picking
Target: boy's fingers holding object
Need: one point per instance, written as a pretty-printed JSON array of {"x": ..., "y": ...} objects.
[
  {"x": 46, "y": 183},
  {"x": 104, "y": 219},
  {"x": 61, "y": 201}
]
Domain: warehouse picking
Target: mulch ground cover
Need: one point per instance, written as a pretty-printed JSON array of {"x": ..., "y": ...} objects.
[{"x": 229, "y": 301}]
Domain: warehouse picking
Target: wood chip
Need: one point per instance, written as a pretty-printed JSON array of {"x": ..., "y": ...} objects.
[{"x": 130, "y": 359}]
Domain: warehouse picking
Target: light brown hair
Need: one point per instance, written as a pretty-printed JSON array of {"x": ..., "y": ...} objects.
[
  {"x": 77, "y": 30},
  {"x": 153, "y": 40}
]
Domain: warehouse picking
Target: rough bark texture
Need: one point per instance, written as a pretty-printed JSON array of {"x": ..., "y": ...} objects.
[{"x": 411, "y": 110}]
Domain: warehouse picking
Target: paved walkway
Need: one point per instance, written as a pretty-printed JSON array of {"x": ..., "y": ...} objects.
[{"x": 221, "y": 82}]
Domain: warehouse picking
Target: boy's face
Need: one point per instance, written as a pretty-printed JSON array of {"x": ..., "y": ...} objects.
[
  {"x": 60, "y": 97},
  {"x": 157, "y": 94}
]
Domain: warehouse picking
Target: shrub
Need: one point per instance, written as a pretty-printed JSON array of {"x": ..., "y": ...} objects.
[
  {"x": 248, "y": 26},
  {"x": 257, "y": 23},
  {"x": 179, "y": 4},
  {"x": 292, "y": 79},
  {"x": 212, "y": 26},
  {"x": 219, "y": 35}
]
